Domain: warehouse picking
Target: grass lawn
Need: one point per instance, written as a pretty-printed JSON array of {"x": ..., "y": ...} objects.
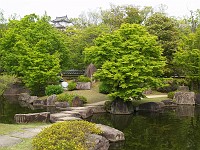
[
  {"x": 92, "y": 95},
  {"x": 8, "y": 128}
]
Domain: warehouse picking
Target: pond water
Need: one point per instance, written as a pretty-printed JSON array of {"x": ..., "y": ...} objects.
[
  {"x": 8, "y": 109},
  {"x": 173, "y": 129}
]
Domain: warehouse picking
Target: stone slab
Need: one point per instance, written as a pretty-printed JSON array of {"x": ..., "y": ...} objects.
[
  {"x": 68, "y": 118},
  {"x": 6, "y": 140}
]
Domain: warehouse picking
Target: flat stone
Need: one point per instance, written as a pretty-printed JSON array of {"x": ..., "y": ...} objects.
[
  {"x": 6, "y": 140},
  {"x": 68, "y": 118},
  {"x": 72, "y": 113},
  {"x": 97, "y": 109},
  {"x": 111, "y": 134},
  {"x": 85, "y": 113},
  {"x": 56, "y": 116}
]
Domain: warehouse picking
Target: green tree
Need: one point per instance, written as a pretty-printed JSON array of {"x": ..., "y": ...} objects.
[
  {"x": 129, "y": 59},
  {"x": 166, "y": 29},
  {"x": 33, "y": 50}
]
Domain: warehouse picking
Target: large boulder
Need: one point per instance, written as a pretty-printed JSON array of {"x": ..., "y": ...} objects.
[
  {"x": 27, "y": 98},
  {"x": 77, "y": 102},
  {"x": 120, "y": 107},
  {"x": 111, "y": 134},
  {"x": 62, "y": 104},
  {"x": 183, "y": 88},
  {"x": 151, "y": 106},
  {"x": 83, "y": 85},
  {"x": 51, "y": 100},
  {"x": 185, "y": 98},
  {"x": 34, "y": 117},
  {"x": 97, "y": 142},
  {"x": 197, "y": 99}
]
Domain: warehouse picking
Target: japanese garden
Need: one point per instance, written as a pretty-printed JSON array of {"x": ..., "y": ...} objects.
[{"x": 121, "y": 78}]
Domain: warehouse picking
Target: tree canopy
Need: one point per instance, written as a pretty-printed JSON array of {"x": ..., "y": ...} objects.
[{"x": 130, "y": 61}]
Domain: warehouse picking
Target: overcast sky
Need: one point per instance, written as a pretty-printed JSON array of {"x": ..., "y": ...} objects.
[{"x": 73, "y": 8}]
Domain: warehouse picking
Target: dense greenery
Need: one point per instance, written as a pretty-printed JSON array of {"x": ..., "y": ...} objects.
[
  {"x": 70, "y": 135},
  {"x": 130, "y": 61},
  {"x": 33, "y": 50},
  {"x": 53, "y": 89}
]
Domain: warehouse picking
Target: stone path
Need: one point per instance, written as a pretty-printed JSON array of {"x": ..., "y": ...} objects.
[
  {"x": 17, "y": 137},
  {"x": 74, "y": 114}
]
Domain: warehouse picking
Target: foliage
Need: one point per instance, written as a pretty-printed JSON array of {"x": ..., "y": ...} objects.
[
  {"x": 129, "y": 59},
  {"x": 71, "y": 86},
  {"x": 83, "y": 78},
  {"x": 168, "y": 86},
  {"x": 103, "y": 88},
  {"x": 166, "y": 29},
  {"x": 70, "y": 135},
  {"x": 33, "y": 50},
  {"x": 170, "y": 95},
  {"x": 69, "y": 98},
  {"x": 65, "y": 97},
  {"x": 5, "y": 81},
  {"x": 53, "y": 89}
]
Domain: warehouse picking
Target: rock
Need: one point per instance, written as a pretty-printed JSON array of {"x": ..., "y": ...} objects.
[
  {"x": 183, "y": 88},
  {"x": 169, "y": 102},
  {"x": 185, "y": 98},
  {"x": 147, "y": 92},
  {"x": 24, "y": 97},
  {"x": 85, "y": 112},
  {"x": 62, "y": 104},
  {"x": 97, "y": 109},
  {"x": 34, "y": 117},
  {"x": 32, "y": 99},
  {"x": 39, "y": 102},
  {"x": 83, "y": 85},
  {"x": 151, "y": 106},
  {"x": 111, "y": 134},
  {"x": 121, "y": 107},
  {"x": 51, "y": 100},
  {"x": 77, "y": 102},
  {"x": 56, "y": 116},
  {"x": 68, "y": 118},
  {"x": 197, "y": 99},
  {"x": 97, "y": 142},
  {"x": 185, "y": 110},
  {"x": 72, "y": 113}
]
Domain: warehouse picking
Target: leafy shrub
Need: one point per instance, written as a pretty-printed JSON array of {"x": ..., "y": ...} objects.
[
  {"x": 71, "y": 86},
  {"x": 69, "y": 135},
  {"x": 83, "y": 78},
  {"x": 69, "y": 97},
  {"x": 103, "y": 88},
  {"x": 170, "y": 85},
  {"x": 65, "y": 97},
  {"x": 171, "y": 95},
  {"x": 53, "y": 89}
]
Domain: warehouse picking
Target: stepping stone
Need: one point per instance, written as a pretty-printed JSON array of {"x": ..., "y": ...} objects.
[
  {"x": 68, "y": 118},
  {"x": 6, "y": 140}
]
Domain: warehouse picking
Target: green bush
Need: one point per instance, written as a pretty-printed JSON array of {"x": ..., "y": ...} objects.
[
  {"x": 71, "y": 86},
  {"x": 171, "y": 95},
  {"x": 53, "y": 89},
  {"x": 103, "y": 88},
  {"x": 65, "y": 97},
  {"x": 83, "y": 78},
  {"x": 69, "y": 135}
]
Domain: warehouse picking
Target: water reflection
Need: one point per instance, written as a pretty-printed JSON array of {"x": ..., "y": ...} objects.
[
  {"x": 173, "y": 129},
  {"x": 8, "y": 108}
]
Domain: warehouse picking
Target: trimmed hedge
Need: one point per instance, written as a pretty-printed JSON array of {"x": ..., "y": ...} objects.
[{"x": 69, "y": 135}]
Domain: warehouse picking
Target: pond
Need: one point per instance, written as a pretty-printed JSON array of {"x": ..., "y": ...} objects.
[
  {"x": 8, "y": 109},
  {"x": 172, "y": 129}
]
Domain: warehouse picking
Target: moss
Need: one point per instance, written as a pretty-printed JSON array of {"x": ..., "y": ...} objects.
[{"x": 70, "y": 135}]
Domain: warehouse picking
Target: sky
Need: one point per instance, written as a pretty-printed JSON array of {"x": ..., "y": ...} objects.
[{"x": 73, "y": 8}]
